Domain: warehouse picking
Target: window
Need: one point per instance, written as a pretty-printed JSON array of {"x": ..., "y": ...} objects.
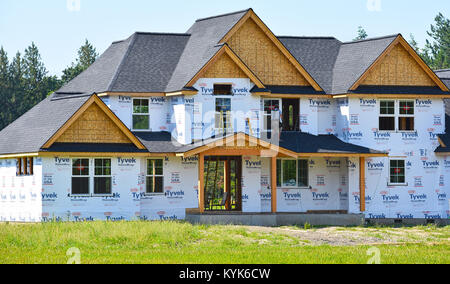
[
  {"x": 80, "y": 176},
  {"x": 269, "y": 107},
  {"x": 223, "y": 89},
  {"x": 303, "y": 173},
  {"x": 155, "y": 178},
  {"x": 141, "y": 114},
  {"x": 102, "y": 177},
  {"x": 223, "y": 114},
  {"x": 406, "y": 116},
  {"x": 292, "y": 173},
  {"x": 387, "y": 116},
  {"x": 397, "y": 172},
  {"x": 24, "y": 166}
]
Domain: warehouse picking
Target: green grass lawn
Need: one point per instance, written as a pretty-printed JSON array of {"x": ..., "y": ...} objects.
[{"x": 178, "y": 242}]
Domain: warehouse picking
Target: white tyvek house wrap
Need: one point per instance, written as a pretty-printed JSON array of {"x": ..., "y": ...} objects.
[
  {"x": 425, "y": 193},
  {"x": 181, "y": 190},
  {"x": 59, "y": 204},
  {"x": 20, "y": 197},
  {"x": 128, "y": 201},
  {"x": 159, "y": 110},
  {"x": 243, "y": 105},
  {"x": 329, "y": 183}
]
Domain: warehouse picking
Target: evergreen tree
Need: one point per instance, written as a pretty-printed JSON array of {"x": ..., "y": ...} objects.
[
  {"x": 437, "y": 51},
  {"x": 4, "y": 86},
  {"x": 87, "y": 54},
  {"x": 362, "y": 34}
]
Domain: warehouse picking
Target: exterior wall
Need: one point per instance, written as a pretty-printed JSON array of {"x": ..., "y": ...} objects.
[
  {"x": 160, "y": 113},
  {"x": 180, "y": 190},
  {"x": 60, "y": 205},
  {"x": 128, "y": 200},
  {"x": 243, "y": 105},
  {"x": 328, "y": 178},
  {"x": 426, "y": 193},
  {"x": 318, "y": 116},
  {"x": 20, "y": 197}
]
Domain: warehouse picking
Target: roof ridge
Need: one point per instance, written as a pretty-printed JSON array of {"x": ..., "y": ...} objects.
[
  {"x": 309, "y": 37},
  {"x": 223, "y": 15},
  {"x": 162, "y": 33},
  {"x": 373, "y": 38},
  {"x": 122, "y": 61}
]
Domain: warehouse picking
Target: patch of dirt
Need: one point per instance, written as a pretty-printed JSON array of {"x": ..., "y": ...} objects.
[{"x": 338, "y": 236}]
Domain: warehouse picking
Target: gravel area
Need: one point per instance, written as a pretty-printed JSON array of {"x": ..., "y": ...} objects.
[{"x": 338, "y": 236}]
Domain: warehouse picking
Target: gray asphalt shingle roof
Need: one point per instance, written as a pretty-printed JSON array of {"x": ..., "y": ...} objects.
[
  {"x": 316, "y": 54},
  {"x": 201, "y": 47},
  {"x": 354, "y": 59},
  {"x": 30, "y": 132},
  {"x": 300, "y": 142}
]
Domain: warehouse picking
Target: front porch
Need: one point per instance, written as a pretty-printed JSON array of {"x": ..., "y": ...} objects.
[{"x": 257, "y": 178}]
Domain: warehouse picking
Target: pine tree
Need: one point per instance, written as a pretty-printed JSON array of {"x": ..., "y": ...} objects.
[
  {"x": 362, "y": 34},
  {"x": 4, "y": 86},
  {"x": 87, "y": 55},
  {"x": 438, "y": 50}
]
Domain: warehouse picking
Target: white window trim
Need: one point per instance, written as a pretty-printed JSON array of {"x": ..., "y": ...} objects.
[
  {"x": 296, "y": 174},
  {"x": 396, "y": 115},
  {"x": 388, "y": 115},
  {"x": 91, "y": 177},
  {"x": 88, "y": 176},
  {"x": 406, "y": 115},
  {"x": 389, "y": 173},
  {"x": 154, "y": 175},
  {"x": 265, "y": 115},
  {"x": 142, "y": 114},
  {"x": 230, "y": 128},
  {"x": 94, "y": 176}
]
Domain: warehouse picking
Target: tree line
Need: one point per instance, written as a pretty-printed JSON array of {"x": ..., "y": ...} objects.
[
  {"x": 436, "y": 52},
  {"x": 24, "y": 81}
]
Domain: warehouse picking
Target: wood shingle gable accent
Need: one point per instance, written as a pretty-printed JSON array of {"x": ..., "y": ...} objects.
[
  {"x": 399, "y": 65},
  {"x": 224, "y": 67},
  {"x": 94, "y": 122},
  {"x": 225, "y": 60},
  {"x": 265, "y": 55}
]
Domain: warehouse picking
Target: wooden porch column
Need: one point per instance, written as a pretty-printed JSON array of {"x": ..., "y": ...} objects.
[
  {"x": 362, "y": 183},
  {"x": 227, "y": 183},
  {"x": 273, "y": 181},
  {"x": 201, "y": 181}
]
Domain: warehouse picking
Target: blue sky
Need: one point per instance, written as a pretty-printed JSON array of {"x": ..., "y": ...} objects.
[{"x": 59, "y": 31}]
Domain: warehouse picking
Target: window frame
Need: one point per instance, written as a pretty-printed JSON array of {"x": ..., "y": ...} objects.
[
  {"x": 228, "y": 117},
  {"x": 280, "y": 174},
  {"x": 266, "y": 126},
  {"x": 397, "y": 115},
  {"x": 390, "y": 183},
  {"x": 394, "y": 116},
  {"x": 24, "y": 166},
  {"x": 406, "y": 115},
  {"x": 102, "y": 176},
  {"x": 140, "y": 114},
  {"x": 154, "y": 176},
  {"x": 75, "y": 176}
]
